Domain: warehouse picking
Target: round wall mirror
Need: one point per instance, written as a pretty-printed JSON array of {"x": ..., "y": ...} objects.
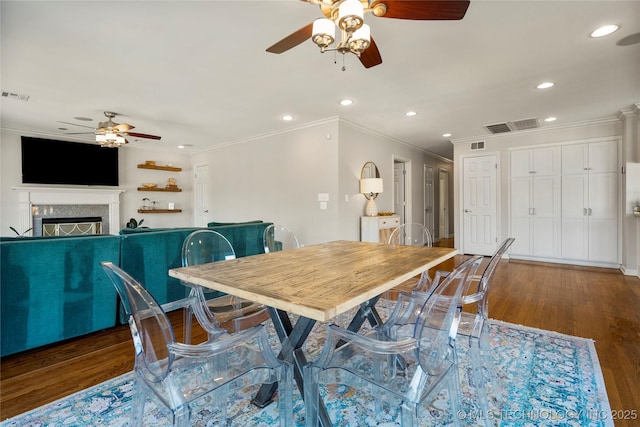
[
  {"x": 369, "y": 170},
  {"x": 370, "y": 180}
]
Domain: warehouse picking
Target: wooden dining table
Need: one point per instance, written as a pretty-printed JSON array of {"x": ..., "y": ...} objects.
[{"x": 317, "y": 283}]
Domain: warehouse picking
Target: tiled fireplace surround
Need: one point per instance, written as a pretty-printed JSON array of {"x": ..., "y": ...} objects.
[{"x": 35, "y": 203}]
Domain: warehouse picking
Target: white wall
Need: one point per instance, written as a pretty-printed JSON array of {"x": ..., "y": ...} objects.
[
  {"x": 359, "y": 145},
  {"x": 130, "y": 178},
  {"x": 275, "y": 178},
  {"x": 501, "y": 143}
]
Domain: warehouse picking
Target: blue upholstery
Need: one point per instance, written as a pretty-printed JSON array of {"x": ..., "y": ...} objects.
[{"x": 53, "y": 288}]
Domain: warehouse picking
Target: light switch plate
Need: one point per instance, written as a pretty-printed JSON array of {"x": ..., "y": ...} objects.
[{"x": 323, "y": 197}]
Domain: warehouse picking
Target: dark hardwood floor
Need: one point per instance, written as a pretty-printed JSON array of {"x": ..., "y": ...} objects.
[{"x": 594, "y": 303}]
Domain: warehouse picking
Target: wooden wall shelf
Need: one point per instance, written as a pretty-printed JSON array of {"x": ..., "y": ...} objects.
[
  {"x": 162, "y": 168},
  {"x": 146, "y": 211},
  {"x": 173, "y": 190}
]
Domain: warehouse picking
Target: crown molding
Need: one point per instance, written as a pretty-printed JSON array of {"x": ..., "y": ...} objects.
[{"x": 288, "y": 130}]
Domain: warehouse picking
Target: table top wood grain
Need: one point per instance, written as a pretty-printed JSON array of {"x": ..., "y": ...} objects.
[{"x": 318, "y": 281}]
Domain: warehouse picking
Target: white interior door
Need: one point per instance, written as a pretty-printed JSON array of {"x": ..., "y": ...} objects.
[
  {"x": 399, "y": 192},
  {"x": 443, "y": 212},
  {"x": 201, "y": 201},
  {"x": 479, "y": 205},
  {"x": 428, "y": 199}
]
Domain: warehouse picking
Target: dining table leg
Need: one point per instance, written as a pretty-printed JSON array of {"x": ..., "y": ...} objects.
[
  {"x": 367, "y": 311},
  {"x": 292, "y": 337}
]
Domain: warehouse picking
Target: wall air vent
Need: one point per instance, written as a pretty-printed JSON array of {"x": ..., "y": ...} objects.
[
  {"x": 477, "y": 145},
  {"x": 16, "y": 96},
  {"x": 515, "y": 125}
]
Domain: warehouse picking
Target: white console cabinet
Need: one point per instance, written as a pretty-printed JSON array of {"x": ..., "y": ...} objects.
[{"x": 377, "y": 229}]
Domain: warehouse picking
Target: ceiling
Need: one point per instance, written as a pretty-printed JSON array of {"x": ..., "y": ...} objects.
[{"x": 197, "y": 73}]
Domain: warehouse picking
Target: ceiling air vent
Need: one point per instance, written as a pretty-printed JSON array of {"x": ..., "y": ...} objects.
[
  {"x": 513, "y": 126},
  {"x": 524, "y": 124},
  {"x": 477, "y": 145},
  {"x": 498, "y": 128}
]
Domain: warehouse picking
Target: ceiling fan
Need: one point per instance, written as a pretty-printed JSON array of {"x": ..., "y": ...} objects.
[
  {"x": 347, "y": 15},
  {"x": 111, "y": 134}
]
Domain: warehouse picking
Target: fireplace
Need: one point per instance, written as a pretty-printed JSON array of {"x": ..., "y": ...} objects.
[
  {"x": 74, "y": 226},
  {"x": 38, "y": 203}
]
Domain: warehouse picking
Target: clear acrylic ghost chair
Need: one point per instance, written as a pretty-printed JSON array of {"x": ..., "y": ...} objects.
[
  {"x": 409, "y": 234},
  {"x": 474, "y": 306},
  {"x": 395, "y": 376},
  {"x": 473, "y": 328},
  {"x": 180, "y": 377},
  {"x": 224, "y": 312},
  {"x": 278, "y": 237}
]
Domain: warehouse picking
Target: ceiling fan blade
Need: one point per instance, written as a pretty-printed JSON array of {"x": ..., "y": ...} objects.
[
  {"x": 424, "y": 10},
  {"x": 292, "y": 40},
  {"x": 76, "y": 124},
  {"x": 124, "y": 127},
  {"x": 141, "y": 135},
  {"x": 371, "y": 56}
]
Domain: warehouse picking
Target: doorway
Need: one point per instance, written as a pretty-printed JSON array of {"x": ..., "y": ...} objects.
[
  {"x": 401, "y": 189},
  {"x": 479, "y": 204},
  {"x": 443, "y": 211},
  {"x": 200, "y": 198},
  {"x": 428, "y": 200}
]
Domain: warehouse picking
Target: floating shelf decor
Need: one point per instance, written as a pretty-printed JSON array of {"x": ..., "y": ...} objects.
[
  {"x": 162, "y": 168},
  {"x": 173, "y": 190},
  {"x": 146, "y": 211}
]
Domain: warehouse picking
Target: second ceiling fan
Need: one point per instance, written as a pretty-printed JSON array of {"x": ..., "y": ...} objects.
[
  {"x": 348, "y": 16},
  {"x": 111, "y": 134}
]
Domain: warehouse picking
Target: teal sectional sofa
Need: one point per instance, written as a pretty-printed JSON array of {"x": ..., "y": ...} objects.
[{"x": 53, "y": 288}]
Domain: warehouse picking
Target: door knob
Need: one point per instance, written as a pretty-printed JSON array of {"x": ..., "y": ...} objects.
[{"x": 467, "y": 211}]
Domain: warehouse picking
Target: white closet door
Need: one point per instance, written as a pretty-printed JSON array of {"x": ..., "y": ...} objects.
[
  {"x": 545, "y": 224},
  {"x": 575, "y": 219},
  {"x": 603, "y": 157},
  {"x": 521, "y": 215},
  {"x": 603, "y": 213}
]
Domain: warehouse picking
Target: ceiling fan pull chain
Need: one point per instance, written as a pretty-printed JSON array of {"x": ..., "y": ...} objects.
[{"x": 343, "y": 67}]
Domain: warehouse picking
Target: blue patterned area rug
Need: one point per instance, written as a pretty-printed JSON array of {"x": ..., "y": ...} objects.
[{"x": 550, "y": 379}]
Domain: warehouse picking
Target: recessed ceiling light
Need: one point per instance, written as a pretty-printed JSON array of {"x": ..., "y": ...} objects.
[
  {"x": 287, "y": 117},
  {"x": 550, "y": 119},
  {"x": 605, "y": 30},
  {"x": 446, "y": 135},
  {"x": 545, "y": 85},
  {"x": 346, "y": 102},
  {"x": 410, "y": 113}
]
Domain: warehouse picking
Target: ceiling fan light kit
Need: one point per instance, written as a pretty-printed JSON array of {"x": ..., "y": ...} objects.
[{"x": 348, "y": 16}]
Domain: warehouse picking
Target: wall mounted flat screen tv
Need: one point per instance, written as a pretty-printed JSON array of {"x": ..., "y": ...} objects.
[{"x": 49, "y": 161}]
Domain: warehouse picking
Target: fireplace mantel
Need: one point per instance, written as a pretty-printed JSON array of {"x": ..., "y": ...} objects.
[{"x": 30, "y": 196}]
